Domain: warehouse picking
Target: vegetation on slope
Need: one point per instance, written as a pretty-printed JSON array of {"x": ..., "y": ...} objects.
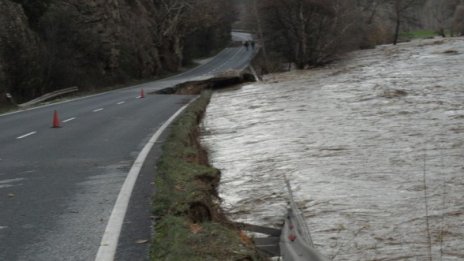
[
  {"x": 189, "y": 222},
  {"x": 50, "y": 44},
  {"x": 309, "y": 33}
]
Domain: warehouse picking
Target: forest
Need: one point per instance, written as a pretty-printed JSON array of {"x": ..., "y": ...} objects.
[
  {"x": 49, "y": 45},
  {"x": 309, "y": 33}
]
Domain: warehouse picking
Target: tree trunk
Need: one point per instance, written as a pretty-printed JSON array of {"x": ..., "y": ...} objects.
[
  {"x": 373, "y": 13},
  {"x": 441, "y": 32},
  {"x": 303, "y": 42},
  {"x": 397, "y": 29},
  {"x": 178, "y": 51},
  {"x": 261, "y": 35}
]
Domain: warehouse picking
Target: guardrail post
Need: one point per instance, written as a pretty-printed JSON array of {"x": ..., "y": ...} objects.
[{"x": 10, "y": 98}]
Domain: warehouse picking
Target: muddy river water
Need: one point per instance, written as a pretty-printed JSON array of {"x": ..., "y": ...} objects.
[{"x": 373, "y": 147}]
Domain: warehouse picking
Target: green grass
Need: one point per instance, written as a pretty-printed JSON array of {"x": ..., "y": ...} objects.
[
  {"x": 419, "y": 34},
  {"x": 7, "y": 108},
  {"x": 189, "y": 223}
]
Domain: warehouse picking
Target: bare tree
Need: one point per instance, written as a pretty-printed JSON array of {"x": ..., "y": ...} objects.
[
  {"x": 169, "y": 16},
  {"x": 176, "y": 19},
  {"x": 294, "y": 27},
  {"x": 369, "y": 9},
  {"x": 308, "y": 32},
  {"x": 401, "y": 10},
  {"x": 439, "y": 14},
  {"x": 458, "y": 19}
]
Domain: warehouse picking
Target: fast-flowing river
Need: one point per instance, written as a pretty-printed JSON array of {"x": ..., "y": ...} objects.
[{"x": 373, "y": 147}]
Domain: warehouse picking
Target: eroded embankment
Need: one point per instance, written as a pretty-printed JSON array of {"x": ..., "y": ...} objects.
[
  {"x": 195, "y": 87},
  {"x": 190, "y": 225}
]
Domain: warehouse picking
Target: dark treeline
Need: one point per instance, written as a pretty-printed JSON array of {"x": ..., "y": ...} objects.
[
  {"x": 313, "y": 32},
  {"x": 52, "y": 44}
]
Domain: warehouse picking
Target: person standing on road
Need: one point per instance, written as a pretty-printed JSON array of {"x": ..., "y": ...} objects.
[{"x": 246, "y": 45}]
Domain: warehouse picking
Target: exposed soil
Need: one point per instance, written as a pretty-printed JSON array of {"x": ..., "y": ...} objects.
[{"x": 190, "y": 223}]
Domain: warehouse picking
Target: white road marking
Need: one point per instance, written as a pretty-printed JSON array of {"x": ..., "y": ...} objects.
[
  {"x": 227, "y": 61},
  {"x": 121, "y": 102},
  {"x": 70, "y": 119},
  {"x": 126, "y": 88},
  {"x": 6, "y": 181},
  {"x": 97, "y": 110},
  {"x": 53, "y": 104},
  {"x": 109, "y": 242},
  {"x": 3, "y": 227},
  {"x": 9, "y": 182},
  {"x": 196, "y": 68},
  {"x": 26, "y": 135}
]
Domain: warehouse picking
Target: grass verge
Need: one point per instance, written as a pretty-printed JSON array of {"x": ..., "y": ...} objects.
[
  {"x": 419, "y": 34},
  {"x": 7, "y": 108},
  {"x": 189, "y": 222}
]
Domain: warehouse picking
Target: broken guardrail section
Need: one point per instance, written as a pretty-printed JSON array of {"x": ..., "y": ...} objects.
[{"x": 292, "y": 242}]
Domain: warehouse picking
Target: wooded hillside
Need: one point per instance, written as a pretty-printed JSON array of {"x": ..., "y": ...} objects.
[
  {"x": 50, "y": 44},
  {"x": 314, "y": 32}
]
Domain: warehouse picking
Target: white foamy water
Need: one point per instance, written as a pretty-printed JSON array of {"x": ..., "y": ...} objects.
[{"x": 355, "y": 149}]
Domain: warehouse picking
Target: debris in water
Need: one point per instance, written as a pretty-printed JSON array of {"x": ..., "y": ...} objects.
[
  {"x": 452, "y": 52},
  {"x": 394, "y": 93}
]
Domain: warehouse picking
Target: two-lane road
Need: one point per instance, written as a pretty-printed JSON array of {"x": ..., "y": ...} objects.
[{"x": 58, "y": 186}]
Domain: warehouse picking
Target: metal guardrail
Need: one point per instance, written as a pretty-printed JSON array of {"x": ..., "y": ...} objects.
[
  {"x": 253, "y": 72},
  {"x": 295, "y": 240},
  {"x": 49, "y": 96},
  {"x": 295, "y": 215}
]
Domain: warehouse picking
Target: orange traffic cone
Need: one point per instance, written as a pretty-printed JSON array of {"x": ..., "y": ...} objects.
[
  {"x": 56, "y": 120},
  {"x": 142, "y": 94}
]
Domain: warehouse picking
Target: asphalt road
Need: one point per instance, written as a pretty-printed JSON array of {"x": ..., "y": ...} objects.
[{"x": 58, "y": 186}]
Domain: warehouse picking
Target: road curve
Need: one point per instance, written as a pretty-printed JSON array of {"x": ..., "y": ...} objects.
[{"x": 58, "y": 185}]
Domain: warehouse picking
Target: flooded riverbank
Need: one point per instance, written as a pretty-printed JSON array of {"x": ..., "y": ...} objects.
[{"x": 373, "y": 147}]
